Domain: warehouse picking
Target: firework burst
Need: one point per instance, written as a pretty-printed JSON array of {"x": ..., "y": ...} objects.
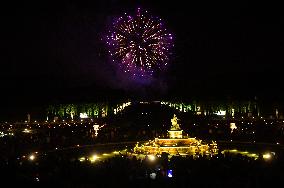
[{"x": 139, "y": 44}]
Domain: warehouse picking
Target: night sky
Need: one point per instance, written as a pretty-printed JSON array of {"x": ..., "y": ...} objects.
[{"x": 53, "y": 52}]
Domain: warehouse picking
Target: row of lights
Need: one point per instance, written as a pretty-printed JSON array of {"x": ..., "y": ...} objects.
[{"x": 265, "y": 156}]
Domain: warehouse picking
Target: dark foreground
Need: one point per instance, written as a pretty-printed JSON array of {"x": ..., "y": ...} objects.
[{"x": 228, "y": 170}]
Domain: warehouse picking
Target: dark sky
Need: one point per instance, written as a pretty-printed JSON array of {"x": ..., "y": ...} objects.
[{"x": 52, "y": 52}]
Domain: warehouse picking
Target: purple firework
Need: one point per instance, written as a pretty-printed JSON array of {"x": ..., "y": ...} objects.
[{"x": 139, "y": 44}]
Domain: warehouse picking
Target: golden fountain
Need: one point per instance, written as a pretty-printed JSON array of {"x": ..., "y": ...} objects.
[{"x": 176, "y": 144}]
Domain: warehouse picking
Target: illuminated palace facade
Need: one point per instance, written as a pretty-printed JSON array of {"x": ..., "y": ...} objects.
[{"x": 176, "y": 144}]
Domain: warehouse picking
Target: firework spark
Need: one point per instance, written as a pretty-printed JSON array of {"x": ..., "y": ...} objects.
[{"x": 139, "y": 44}]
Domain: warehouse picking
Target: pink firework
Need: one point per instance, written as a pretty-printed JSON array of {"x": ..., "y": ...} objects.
[{"x": 139, "y": 44}]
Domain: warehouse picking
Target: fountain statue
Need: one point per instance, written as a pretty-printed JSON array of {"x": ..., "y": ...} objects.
[{"x": 175, "y": 125}]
